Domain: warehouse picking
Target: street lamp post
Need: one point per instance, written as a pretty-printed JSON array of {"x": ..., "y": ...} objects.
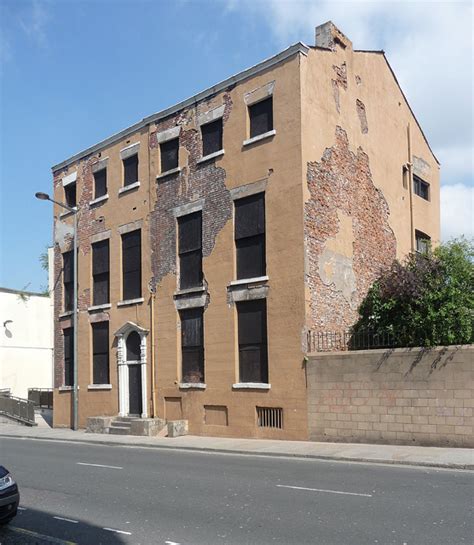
[{"x": 46, "y": 197}]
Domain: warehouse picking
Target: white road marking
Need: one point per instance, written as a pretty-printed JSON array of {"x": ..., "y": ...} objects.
[
  {"x": 67, "y": 520},
  {"x": 98, "y": 465},
  {"x": 117, "y": 531},
  {"x": 323, "y": 490},
  {"x": 21, "y": 508},
  {"x": 171, "y": 543}
]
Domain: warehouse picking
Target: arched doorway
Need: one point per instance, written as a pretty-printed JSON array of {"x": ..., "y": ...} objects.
[{"x": 131, "y": 360}]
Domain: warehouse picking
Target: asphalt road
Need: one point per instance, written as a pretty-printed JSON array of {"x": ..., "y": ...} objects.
[{"x": 96, "y": 495}]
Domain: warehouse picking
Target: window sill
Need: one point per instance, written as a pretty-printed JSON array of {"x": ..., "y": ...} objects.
[
  {"x": 255, "y": 280},
  {"x": 98, "y": 200},
  {"x": 67, "y": 388},
  {"x": 130, "y": 302},
  {"x": 170, "y": 172},
  {"x": 259, "y": 137},
  {"x": 251, "y": 386},
  {"x": 105, "y": 306},
  {"x": 127, "y": 188},
  {"x": 188, "y": 291},
  {"x": 68, "y": 213},
  {"x": 421, "y": 197},
  {"x": 211, "y": 156},
  {"x": 66, "y": 314},
  {"x": 191, "y": 385},
  {"x": 99, "y": 387}
]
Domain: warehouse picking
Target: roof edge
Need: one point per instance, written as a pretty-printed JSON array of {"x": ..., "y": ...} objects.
[
  {"x": 294, "y": 49},
  {"x": 381, "y": 52}
]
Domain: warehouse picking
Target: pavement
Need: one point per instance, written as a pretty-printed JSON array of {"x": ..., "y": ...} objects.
[
  {"x": 441, "y": 457},
  {"x": 93, "y": 494}
]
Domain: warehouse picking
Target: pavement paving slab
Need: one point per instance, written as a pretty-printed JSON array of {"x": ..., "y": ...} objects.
[{"x": 453, "y": 458}]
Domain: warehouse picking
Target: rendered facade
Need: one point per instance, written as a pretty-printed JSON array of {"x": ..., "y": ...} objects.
[
  {"x": 26, "y": 341},
  {"x": 215, "y": 234}
]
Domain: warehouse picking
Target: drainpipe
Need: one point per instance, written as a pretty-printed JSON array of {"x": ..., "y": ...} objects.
[
  {"x": 152, "y": 351},
  {"x": 410, "y": 189}
]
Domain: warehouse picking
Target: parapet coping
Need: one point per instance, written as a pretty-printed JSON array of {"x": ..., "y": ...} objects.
[
  {"x": 402, "y": 350},
  {"x": 295, "y": 49}
]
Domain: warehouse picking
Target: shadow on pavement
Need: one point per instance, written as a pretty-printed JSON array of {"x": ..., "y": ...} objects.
[{"x": 35, "y": 527}]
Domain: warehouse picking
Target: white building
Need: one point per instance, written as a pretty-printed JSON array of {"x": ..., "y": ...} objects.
[{"x": 26, "y": 341}]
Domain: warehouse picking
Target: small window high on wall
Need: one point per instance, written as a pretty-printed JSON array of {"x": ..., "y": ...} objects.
[
  {"x": 130, "y": 170},
  {"x": 261, "y": 117},
  {"x": 211, "y": 137},
  {"x": 169, "y": 152},
  {"x": 421, "y": 188},
  {"x": 100, "y": 183},
  {"x": 70, "y": 194}
]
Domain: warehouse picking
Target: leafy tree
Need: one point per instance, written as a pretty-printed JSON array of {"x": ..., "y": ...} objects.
[{"x": 427, "y": 300}]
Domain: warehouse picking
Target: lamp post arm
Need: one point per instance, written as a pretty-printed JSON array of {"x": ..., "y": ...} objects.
[{"x": 73, "y": 210}]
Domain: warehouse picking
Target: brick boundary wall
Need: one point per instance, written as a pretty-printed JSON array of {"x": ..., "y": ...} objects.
[{"x": 398, "y": 396}]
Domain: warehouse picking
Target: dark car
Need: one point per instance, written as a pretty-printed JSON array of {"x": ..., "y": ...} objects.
[{"x": 9, "y": 496}]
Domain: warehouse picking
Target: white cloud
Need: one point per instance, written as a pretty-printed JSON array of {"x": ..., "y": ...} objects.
[
  {"x": 34, "y": 20},
  {"x": 429, "y": 45},
  {"x": 457, "y": 207}
]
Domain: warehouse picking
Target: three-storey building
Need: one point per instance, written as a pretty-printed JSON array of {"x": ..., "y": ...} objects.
[{"x": 214, "y": 234}]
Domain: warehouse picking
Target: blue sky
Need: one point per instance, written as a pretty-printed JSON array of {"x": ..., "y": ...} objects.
[{"x": 75, "y": 72}]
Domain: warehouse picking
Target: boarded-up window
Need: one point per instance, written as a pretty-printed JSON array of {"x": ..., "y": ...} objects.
[
  {"x": 100, "y": 272},
  {"x": 132, "y": 265},
  {"x": 190, "y": 250},
  {"x": 423, "y": 242},
  {"x": 252, "y": 324},
  {"x": 100, "y": 352},
  {"x": 250, "y": 236},
  {"x": 68, "y": 280},
  {"x": 211, "y": 137},
  {"x": 100, "y": 183},
  {"x": 130, "y": 170},
  {"x": 169, "y": 154},
  {"x": 261, "y": 117},
  {"x": 421, "y": 188},
  {"x": 68, "y": 337},
  {"x": 133, "y": 344},
  {"x": 70, "y": 195},
  {"x": 192, "y": 345}
]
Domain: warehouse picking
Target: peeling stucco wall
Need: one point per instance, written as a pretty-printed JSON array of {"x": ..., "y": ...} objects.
[
  {"x": 347, "y": 235},
  {"x": 90, "y": 222},
  {"x": 360, "y": 107},
  {"x": 339, "y": 83},
  {"x": 196, "y": 181}
]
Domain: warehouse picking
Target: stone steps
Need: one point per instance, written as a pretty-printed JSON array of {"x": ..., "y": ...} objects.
[{"x": 132, "y": 425}]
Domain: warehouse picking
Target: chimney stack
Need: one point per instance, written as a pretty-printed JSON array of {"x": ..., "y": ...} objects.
[{"x": 329, "y": 36}]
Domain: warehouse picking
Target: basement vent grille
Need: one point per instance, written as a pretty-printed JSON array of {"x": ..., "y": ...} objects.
[{"x": 270, "y": 417}]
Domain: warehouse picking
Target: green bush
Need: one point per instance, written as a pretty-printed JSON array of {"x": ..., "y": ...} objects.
[{"x": 428, "y": 300}]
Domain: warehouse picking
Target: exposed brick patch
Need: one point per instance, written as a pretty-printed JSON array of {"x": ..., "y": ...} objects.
[
  {"x": 364, "y": 127},
  {"x": 341, "y": 75},
  {"x": 90, "y": 222},
  {"x": 339, "y": 82},
  {"x": 196, "y": 181},
  {"x": 342, "y": 182}
]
